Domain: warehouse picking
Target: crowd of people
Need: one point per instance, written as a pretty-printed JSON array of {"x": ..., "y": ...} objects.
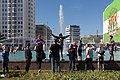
[{"x": 74, "y": 52}]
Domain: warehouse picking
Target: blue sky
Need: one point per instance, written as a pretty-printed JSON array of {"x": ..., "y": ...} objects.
[{"x": 86, "y": 13}]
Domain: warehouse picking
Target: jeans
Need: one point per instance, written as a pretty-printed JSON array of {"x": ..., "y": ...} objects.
[
  {"x": 53, "y": 59},
  {"x": 28, "y": 62},
  {"x": 39, "y": 61},
  {"x": 5, "y": 65},
  {"x": 72, "y": 63},
  {"x": 88, "y": 64}
]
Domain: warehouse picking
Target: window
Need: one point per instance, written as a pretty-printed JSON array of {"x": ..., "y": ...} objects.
[
  {"x": 18, "y": 26},
  {"x": 9, "y": 1},
  {"x": 14, "y": 22},
  {"x": 15, "y": 27},
  {"x": 5, "y": 31},
  {"x": 13, "y": 5},
  {"x": 13, "y": 18},
  {"x": 18, "y": 31},
  {"x": 14, "y": 1},
  {"x": 9, "y": 5},
  {"x": 9, "y": 14},
  {"x": 9, "y": 22},
  {"x": 5, "y": 26},
  {"x": 5, "y": 9},
  {"x": 5, "y": 34}
]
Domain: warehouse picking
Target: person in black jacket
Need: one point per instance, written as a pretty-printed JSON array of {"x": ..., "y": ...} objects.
[
  {"x": 55, "y": 56},
  {"x": 39, "y": 52},
  {"x": 72, "y": 54},
  {"x": 28, "y": 57}
]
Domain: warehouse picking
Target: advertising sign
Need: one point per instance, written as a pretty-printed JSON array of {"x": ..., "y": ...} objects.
[{"x": 111, "y": 21}]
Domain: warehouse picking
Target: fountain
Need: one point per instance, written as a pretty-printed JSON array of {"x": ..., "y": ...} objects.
[{"x": 61, "y": 19}]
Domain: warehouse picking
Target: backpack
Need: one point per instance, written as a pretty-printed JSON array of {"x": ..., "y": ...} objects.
[
  {"x": 101, "y": 51},
  {"x": 43, "y": 55}
]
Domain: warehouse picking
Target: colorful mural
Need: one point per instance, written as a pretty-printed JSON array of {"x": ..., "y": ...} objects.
[{"x": 111, "y": 23}]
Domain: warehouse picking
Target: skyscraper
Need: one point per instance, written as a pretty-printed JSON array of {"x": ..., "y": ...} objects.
[{"x": 17, "y": 19}]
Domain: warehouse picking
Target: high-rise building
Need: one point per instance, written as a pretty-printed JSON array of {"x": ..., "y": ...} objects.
[
  {"x": 74, "y": 32},
  {"x": 17, "y": 20},
  {"x": 45, "y": 32}
]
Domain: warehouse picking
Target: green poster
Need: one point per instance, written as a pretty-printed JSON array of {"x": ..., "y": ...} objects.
[{"x": 111, "y": 21}]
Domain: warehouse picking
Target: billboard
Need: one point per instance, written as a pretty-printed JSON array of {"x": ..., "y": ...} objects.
[{"x": 111, "y": 21}]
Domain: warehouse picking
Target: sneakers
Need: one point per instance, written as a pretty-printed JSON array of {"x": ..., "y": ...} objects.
[
  {"x": 3, "y": 75},
  {"x": 39, "y": 70}
]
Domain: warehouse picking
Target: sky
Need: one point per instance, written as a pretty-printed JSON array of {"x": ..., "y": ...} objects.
[{"x": 88, "y": 14}]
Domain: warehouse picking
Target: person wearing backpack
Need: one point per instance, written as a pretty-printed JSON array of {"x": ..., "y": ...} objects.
[{"x": 89, "y": 57}]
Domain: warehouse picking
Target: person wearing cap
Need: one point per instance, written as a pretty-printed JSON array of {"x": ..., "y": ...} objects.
[
  {"x": 111, "y": 45},
  {"x": 28, "y": 57},
  {"x": 55, "y": 56}
]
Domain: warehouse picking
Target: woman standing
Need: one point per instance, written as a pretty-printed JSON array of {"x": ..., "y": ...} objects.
[
  {"x": 28, "y": 57},
  {"x": 5, "y": 59},
  {"x": 72, "y": 54}
]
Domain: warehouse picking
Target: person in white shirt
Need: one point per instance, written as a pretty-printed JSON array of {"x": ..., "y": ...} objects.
[
  {"x": 100, "y": 51},
  {"x": 88, "y": 58}
]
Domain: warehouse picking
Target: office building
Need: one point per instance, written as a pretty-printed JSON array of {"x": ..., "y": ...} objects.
[
  {"x": 17, "y": 20},
  {"x": 74, "y": 32},
  {"x": 43, "y": 30}
]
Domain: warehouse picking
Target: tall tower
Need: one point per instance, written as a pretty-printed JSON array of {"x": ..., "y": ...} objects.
[{"x": 17, "y": 19}]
